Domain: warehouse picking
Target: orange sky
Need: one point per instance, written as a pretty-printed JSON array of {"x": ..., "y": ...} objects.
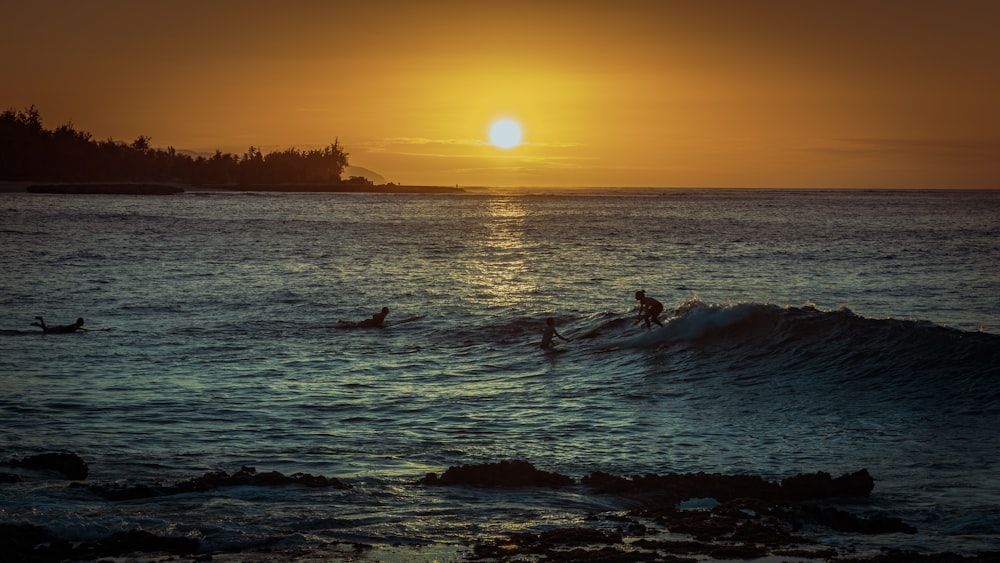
[{"x": 661, "y": 93}]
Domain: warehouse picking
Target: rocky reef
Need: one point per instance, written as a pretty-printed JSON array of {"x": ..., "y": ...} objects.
[
  {"x": 669, "y": 517},
  {"x": 67, "y": 464}
]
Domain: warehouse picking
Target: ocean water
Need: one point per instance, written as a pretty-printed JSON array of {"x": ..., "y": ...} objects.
[{"x": 805, "y": 331}]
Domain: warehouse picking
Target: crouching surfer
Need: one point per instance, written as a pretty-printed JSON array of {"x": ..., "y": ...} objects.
[
  {"x": 649, "y": 309},
  {"x": 78, "y": 325}
]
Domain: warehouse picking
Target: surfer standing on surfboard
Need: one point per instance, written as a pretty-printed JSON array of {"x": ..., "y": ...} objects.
[{"x": 649, "y": 309}]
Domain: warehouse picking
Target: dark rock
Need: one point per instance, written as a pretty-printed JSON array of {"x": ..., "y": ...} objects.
[
  {"x": 138, "y": 541},
  {"x": 9, "y": 478},
  {"x": 68, "y": 464},
  {"x": 738, "y": 552},
  {"x": 601, "y": 555},
  {"x": 846, "y": 522},
  {"x": 551, "y": 543},
  {"x": 34, "y": 544},
  {"x": 246, "y": 476},
  {"x": 677, "y": 487},
  {"x": 502, "y": 474},
  {"x": 671, "y": 546},
  {"x": 119, "y": 492},
  {"x": 577, "y": 536},
  {"x": 906, "y": 556},
  {"x": 681, "y": 486},
  {"x": 702, "y": 526},
  {"x": 763, "y": 533},
  {"x": 822, "y": 485},
  {"x": 825, "y": 554}
]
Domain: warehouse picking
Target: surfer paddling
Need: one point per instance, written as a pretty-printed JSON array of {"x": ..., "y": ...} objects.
[
  {"x": 549, "y": 332},
  {"x": 377, "y": 321},
  {"x": 64, "y": 329},
  {"x": 649, "y": 309}
]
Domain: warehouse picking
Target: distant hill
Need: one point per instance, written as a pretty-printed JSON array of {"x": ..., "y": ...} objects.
[{"x": 370, "y": 175}]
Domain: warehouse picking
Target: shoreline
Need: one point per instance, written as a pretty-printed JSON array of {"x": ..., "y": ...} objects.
[
  {"x": 152, "y": 188},
  {"x": 144, "y": 188}
]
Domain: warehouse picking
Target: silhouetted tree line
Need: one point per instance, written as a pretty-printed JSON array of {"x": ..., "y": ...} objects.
[{"x": 29, "y": 152}]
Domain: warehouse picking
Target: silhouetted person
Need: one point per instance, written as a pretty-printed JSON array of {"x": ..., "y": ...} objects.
[
  {"x": 378, "y": 319},
  {"x": 549, "y": 332},
  {"x": 78, "y": 325},
  {"x": 649, "y": 309}
]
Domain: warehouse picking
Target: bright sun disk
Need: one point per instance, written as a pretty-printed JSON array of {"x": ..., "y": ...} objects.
[{"x": 505, "y": 134}]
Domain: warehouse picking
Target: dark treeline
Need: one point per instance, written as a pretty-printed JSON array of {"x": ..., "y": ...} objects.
[{"x": 29, "y": 152}]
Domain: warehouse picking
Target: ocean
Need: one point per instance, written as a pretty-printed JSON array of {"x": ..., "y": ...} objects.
[{"x": 804, "y": 331}]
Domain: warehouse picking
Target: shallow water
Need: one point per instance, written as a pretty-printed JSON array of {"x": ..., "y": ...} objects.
[{"x": 815, "y": 330}]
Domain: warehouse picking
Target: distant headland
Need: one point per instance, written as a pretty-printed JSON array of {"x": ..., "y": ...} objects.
[
  {"x": 169, "y": 189},
  {"x": 67, "y": 161}
]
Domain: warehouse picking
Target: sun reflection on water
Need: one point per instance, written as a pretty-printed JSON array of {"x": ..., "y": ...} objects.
[{"x": 500, "y": 275}]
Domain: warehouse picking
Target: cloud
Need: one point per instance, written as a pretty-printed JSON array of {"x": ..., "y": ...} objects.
[
  {"x": 876, "y": 146},
  {"x": 423, "y": 141}
]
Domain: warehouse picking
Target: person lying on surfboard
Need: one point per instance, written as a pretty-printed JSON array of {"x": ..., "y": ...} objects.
[
  {"x": 377, "y": 321},
  {"x": 649, "y": 309},
  {"x": 78, "y": 325},
  {"x": 549, "y": 332}
]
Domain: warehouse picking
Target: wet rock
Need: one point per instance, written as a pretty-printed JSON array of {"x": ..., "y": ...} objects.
[
  {"x": 742, "y": 551},
  {"x": 679, "y": 547},
  {"x": 9, "y": 478},
  {"x": 823, "y": 485},
  {"x": 68, "y": 464},
  {"x": 117, "y": 492},
  {"x": 569, "y": 536},
  {"x": 501, "y": 474},
  {"x": 905, "y": 556},
  {"x": 676, "y": 487},
  {"x": 25, "y": 542},
  {"x": 552, "y": 543},
  {"x": 246, "y": 476},
  {"x": 34, "y": 544},
  {"x": 702, "y": 526},
  {"x": 137, "y": 541},
  {"x": 846, "y": 522},
  {"x": 601, "y": 555},
  {"x": 681, "y": 486}
]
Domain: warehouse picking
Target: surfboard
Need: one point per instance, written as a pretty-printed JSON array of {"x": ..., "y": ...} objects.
[
  {"x": 367, "y": 323},
  {"x": 357, "y": 324},
  {"x": 407, "y": 320}
]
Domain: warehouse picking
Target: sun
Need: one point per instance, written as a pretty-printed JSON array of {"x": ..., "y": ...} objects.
[{"x": 505, "y": 134}]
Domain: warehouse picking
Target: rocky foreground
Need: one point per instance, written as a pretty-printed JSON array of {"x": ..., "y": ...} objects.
[{"x": 746, "y": 518}]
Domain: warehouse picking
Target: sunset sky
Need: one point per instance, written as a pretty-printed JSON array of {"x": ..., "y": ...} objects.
[{"x": 626, "y": 93}]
